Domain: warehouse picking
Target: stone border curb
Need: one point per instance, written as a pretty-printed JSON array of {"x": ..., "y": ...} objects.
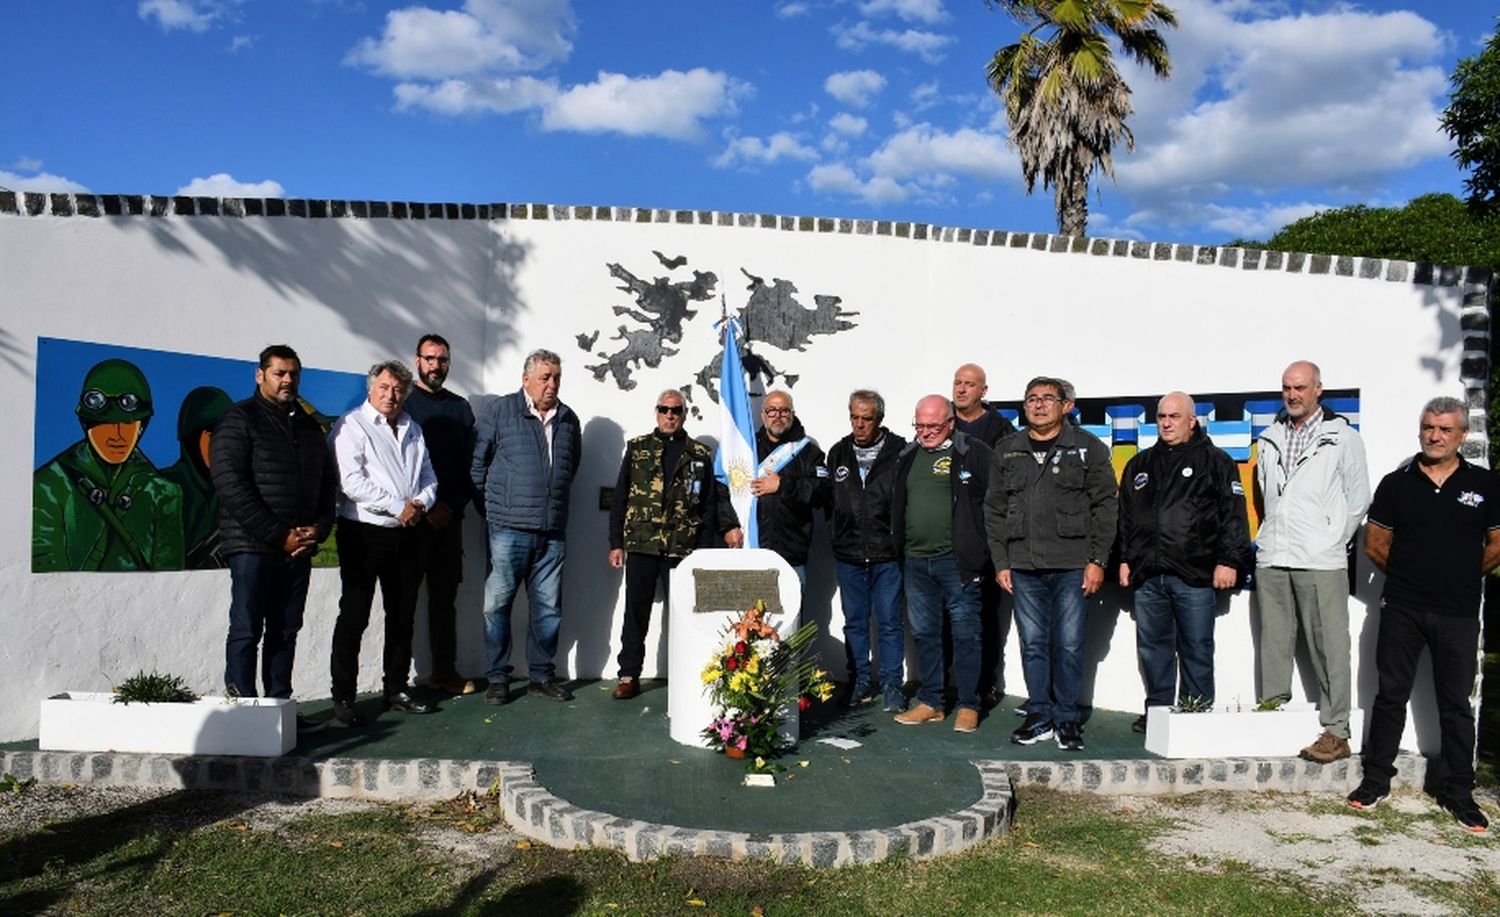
[{"x": 535, "y": 812}]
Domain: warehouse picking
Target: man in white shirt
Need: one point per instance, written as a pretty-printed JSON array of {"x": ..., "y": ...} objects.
[{"x": 386, "y": 484}]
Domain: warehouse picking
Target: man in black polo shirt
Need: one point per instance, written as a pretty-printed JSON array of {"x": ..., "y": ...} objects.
[{"x": 1434, "y": 529}]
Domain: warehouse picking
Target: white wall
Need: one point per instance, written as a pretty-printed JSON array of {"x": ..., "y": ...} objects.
[{"x": 348, "y": 292}]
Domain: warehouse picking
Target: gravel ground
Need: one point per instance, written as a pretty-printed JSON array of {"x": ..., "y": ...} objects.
[{"x": 1381, "y": 860}]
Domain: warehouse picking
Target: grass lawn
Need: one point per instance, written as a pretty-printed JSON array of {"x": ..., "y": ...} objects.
[{"x": 195, "y": 853}]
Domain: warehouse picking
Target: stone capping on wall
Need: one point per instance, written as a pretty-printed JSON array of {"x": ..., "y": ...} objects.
[
  {"x": 532, "y": 810},
  {"x": 1476, "y": 282},
  {"x": 35, "y": 203}
]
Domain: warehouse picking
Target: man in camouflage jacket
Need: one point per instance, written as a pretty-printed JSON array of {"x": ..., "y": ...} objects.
[{"x": 667, "y": 503}]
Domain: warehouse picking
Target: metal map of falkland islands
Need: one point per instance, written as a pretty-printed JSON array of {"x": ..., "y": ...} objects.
[{"x": 736, "y": 590}]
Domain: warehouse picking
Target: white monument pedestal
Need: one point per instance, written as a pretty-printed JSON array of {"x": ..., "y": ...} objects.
[{"x": 695, "y": 633}]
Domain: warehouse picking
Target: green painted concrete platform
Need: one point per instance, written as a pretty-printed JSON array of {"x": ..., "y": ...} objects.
[{"x": 616, "y": 756}]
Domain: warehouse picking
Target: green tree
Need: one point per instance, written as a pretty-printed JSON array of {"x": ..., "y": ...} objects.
[
  {"x": 1064, "y": 97},
  {"x": 1436, "y": 228},
  {"x": 1472, "y": 119}
]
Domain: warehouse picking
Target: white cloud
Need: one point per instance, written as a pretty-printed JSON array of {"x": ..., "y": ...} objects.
[
  {"x": 672, "y": 104},
  {"x": 792, "y": 9},
  {"x": 1258, "y": 221},
  {"x": 754, "y": 151},
  {"x": 849, "y": 125},
  {"x": 42, "y": 181},
  {"x": 928, "y": 11},
  {"x": 854, "y": 88},
  {"x": 485, "y": 37},
  {"x": 1274, "y": 104},
  {"x": 925, "y": 96},
  {"x": 27, "y": 164},
  {"x": 240, "y": 43},
  {"x": 222, "y": 184},
  {"x": 925, "y": 150},
  {"x": 500, "y": 95},
  {"x": 193, "y": 15},
  {"x": 928, "y": 45},
  {"x": 837, "y": 178}
]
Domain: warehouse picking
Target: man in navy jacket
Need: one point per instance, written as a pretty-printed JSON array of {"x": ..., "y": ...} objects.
[{"x": 527, "y": 448}]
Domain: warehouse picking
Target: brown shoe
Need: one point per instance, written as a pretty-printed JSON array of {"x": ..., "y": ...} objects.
[
  {"x": 627, "y": 688},
  {"x": 454, "y": 684},
  {"x": 1327, "y": 749},
  {"x": 966, "y": 720},
  {"x": 921, "y": 713}
]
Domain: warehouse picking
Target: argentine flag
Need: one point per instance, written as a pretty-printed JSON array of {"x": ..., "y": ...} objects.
[{"x": 734, "y": 464}]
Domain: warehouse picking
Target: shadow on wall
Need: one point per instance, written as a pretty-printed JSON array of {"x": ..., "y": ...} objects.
[
  {"x": 591, "y": 588},
  {"x": 390, "y": 281}
]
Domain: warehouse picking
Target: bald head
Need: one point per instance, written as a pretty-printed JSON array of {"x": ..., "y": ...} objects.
[
  {"x": 1176, "y": 418},
  {"x": 933, "y": 420},
  {"x": 969, "y": 388},
  {"x": 1301, "y": 388}
]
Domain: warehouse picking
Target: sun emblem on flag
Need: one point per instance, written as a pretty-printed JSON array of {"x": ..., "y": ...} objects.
[{"x": 739, "y": 477}]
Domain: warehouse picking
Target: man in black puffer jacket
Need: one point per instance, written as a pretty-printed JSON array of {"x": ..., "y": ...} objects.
[
  {"x": 276, "y": 484},
  {"x": 1183, "y": 534}
]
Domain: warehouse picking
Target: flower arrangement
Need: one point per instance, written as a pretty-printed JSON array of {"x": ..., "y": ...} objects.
[{"x": 754, "y": 678}]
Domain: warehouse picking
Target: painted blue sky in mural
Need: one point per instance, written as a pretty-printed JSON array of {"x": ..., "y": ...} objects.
[{"x": 854, "y": 108}]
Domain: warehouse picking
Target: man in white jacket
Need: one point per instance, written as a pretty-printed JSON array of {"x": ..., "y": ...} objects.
[
  {"x": 1314, "y": 490},
  {"x": 386, "y": 486}
]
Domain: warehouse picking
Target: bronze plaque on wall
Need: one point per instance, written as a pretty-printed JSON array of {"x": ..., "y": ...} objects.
[{"x": 736, "y": 590}]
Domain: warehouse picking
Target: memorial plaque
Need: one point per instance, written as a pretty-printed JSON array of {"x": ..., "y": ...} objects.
[{"x": 736, "y": 590}]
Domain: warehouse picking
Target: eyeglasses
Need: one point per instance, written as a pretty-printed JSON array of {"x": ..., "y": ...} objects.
[
  {"x": 930, "y": 427},
  {"x": 776, "y": 412},
  {"x": 95, "y": 400},
  {"x": 677, "y": 409},
  {"x": 1042, "y": 399}
]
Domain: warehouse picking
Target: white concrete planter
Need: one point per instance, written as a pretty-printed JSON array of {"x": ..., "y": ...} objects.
[
  {"x": 91, "y": 721},
  {"x": 1238, "y": 733}
]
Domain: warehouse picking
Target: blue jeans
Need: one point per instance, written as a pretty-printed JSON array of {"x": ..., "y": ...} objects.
[
  {"x": 536, "y": 557},
  {"x": 1174, "y": 632},
  {"x": 933, "y": 586},
  {"x": 1049, "y": 620},
  {"x": 267, "y": 593},
  {"x": 865, "y": 589}
]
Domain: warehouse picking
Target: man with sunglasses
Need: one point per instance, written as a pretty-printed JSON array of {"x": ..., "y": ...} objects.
[
  {"x": 667, "y": 502},
  {"x": 1050, "y": 515}
]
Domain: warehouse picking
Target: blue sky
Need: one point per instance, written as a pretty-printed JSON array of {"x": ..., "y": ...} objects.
[{"x": 852, "y": 108}]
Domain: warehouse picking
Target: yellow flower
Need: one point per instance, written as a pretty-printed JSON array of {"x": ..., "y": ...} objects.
[
  {"x": 752, "y": 665},
  {"x": 711, "y": 674}
]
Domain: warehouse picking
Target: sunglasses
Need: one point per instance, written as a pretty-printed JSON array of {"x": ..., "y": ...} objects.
[{"x": 677, "y": 409}]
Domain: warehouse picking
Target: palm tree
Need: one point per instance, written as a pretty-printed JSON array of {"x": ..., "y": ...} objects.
[{"x": 1065, "y": 100}]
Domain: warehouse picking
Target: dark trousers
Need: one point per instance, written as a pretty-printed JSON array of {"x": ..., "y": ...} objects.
[
  {"x": 267, "y": 593},
  {"x": 369, "y": 554},
  {"x": 1454, "y": 644},
  {"x": 441, "y": 564},
  {"x": 642, "y": 573}
]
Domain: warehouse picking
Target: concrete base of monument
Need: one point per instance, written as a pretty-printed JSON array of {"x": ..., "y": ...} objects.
[{"x": 598, "y": 772}]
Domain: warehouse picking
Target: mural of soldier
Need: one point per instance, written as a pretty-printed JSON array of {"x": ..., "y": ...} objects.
[
  {"x": 201, "y": 409},
  {"x": 100, "y": 505}
]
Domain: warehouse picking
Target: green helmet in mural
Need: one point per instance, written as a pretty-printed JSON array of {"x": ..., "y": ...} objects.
[
  {"x": 201, "y": 409},
  {"x": 114, "y": 391}
]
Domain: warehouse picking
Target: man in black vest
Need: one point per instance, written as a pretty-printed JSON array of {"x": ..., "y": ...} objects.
[{"x": 788, "y": 483}]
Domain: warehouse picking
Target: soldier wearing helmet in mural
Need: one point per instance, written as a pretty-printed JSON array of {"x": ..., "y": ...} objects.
[
  {"x": 200, "y": 410},
  {"x": 101, "y": 504}
]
